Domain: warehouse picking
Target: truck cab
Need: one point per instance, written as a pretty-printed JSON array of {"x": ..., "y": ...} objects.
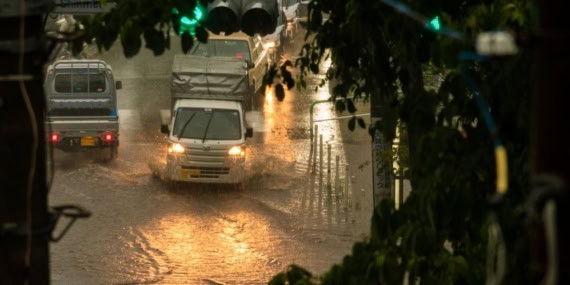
[
  {"x": 207, "y": 130},
  {"x": 82, "y": 106},
  {"x": 207, "y": 141}
]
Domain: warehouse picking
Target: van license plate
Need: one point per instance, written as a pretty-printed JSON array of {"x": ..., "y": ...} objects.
[
  {"x": 87, "y": 141},
  {"x": 188, "y": 173}
]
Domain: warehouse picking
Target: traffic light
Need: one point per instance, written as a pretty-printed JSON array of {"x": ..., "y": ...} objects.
[
  {"x": 250, "y": 16},
  {"x": 434, "y": 24},
  {"x": 186, "y": 20}
]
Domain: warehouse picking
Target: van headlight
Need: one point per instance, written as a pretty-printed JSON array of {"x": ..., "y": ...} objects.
[
  {"x": 269, "y": 44},
  {"x": 175, "y": 148},
  {"x": 237, "y": 151}
]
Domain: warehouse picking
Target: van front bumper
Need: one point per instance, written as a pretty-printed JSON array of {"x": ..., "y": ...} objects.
[{"x": 182, "y": 168}]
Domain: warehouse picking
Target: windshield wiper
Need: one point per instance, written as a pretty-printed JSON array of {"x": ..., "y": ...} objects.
[
  {"x": 207, "y": 127},
  {"x": 185, "y": 125}
]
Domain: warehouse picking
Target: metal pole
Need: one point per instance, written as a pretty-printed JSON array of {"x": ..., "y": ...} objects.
[
  {"x": 329, "y": 168},
  {"x": 346, "y": 179},
  {"x": 311, "y": 107},
  {"x": 321, "y": 163},
  {"x": 337, "y": 178},
  {"x": 315, "y": 142},
  {"x": 401, "y": 186}
]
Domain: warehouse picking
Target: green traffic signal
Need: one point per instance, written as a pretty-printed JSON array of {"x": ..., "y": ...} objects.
[
  {"x": 434, "y": 24},
  {"x": 188, "y": 23}
]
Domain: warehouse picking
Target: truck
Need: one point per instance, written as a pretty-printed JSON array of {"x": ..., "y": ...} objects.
[
  {"x": 206, "y": 129},
  {"x": 240, "y": 46},
  {"x": 81, "y": 99}
]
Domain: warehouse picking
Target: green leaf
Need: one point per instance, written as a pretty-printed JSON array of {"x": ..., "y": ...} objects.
[
  {"x": 296, "y": 274},
  {"x": 131, "y": 40},
  {"x": 287, "y": 63},
  {"x": 340, "y": 106},
  {"x": 287, "y": 78},
  {"x": 270, "y": 74},
  {"x": 155, "y": 41},
  {"x": 279, "y": 92},
  {"x": 361, "y": 123},
  {"x": 314, "y": 68},
  {"x": 187, "y": 42},
  {"x": 352, "y": 123},
  {"x": 350, "y": 106},
  {"x": 279, "y": 279},
  {"x": 201, "y": 34}
]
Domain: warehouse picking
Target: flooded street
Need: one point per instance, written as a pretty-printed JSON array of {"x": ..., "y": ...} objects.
[{"x": 146, "y": 231}]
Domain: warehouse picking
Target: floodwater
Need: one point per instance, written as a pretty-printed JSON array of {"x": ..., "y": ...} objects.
[{"x": 146, "y": 231}]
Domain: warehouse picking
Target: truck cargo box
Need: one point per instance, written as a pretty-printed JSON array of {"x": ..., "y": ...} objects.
[{"x": 215, "y": 78}]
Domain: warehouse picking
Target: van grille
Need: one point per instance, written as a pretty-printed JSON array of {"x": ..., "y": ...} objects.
[{"x": 208, "y": 172}]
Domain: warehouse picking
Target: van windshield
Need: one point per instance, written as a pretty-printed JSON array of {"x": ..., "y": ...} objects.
[
  {"x": 80, "y": 83},
  {"x": 209, "y": 124},
  {"x": 223, "y": 48}
]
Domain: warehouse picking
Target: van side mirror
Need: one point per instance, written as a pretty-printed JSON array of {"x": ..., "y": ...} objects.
[
  {"x": 249, "y": 64},
  {"x": 164, "y": 129},
  {"x": 118, "y": 85},
  {"x": 249, "y": 132}
]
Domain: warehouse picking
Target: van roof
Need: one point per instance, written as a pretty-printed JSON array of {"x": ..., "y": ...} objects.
[
  {"x": 201, "y": 103},
  {"x": 79, "y": 63},
  {"x": 233, "y": 36}
]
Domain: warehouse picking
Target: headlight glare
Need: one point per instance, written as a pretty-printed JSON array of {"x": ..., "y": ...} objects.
[
  {"x": 237, "y": 150},
  {"x": 175, "y": 148},
  {"x": 269, "y": 44}
]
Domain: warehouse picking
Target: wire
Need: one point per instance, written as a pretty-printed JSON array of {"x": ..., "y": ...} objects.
[
  {"x": 496, "y": 248},
  {"x": 502, "y": 180},
  {"x": 423, "y": 20},
  {"x": 34, "y": 150}
]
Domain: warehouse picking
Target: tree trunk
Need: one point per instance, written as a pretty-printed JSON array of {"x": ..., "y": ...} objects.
[{"x": 412, "y": 87}]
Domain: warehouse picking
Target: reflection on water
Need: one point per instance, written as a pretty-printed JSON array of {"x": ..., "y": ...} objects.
[
  {"x": 142, "y": 231},
  {"x": 233, "y": 246}
]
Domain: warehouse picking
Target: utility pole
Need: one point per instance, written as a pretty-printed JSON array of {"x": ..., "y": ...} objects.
[
  {"x": 550, "y": 144},
  {"x": 24, "y": 219}
]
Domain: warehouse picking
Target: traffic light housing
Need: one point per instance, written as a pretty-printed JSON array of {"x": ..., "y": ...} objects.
[
  {"x": 223, "y": 16},
  {"x": 250, "y": 16},
  {"x": 259, "y": 17}
]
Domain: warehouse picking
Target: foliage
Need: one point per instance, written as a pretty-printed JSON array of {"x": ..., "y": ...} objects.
[
  {"x": 133, "y": 20},
  {"x": 439, "y": 235}
]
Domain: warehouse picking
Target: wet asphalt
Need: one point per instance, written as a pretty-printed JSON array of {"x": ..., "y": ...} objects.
[{"x": 146, "y": 231}]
